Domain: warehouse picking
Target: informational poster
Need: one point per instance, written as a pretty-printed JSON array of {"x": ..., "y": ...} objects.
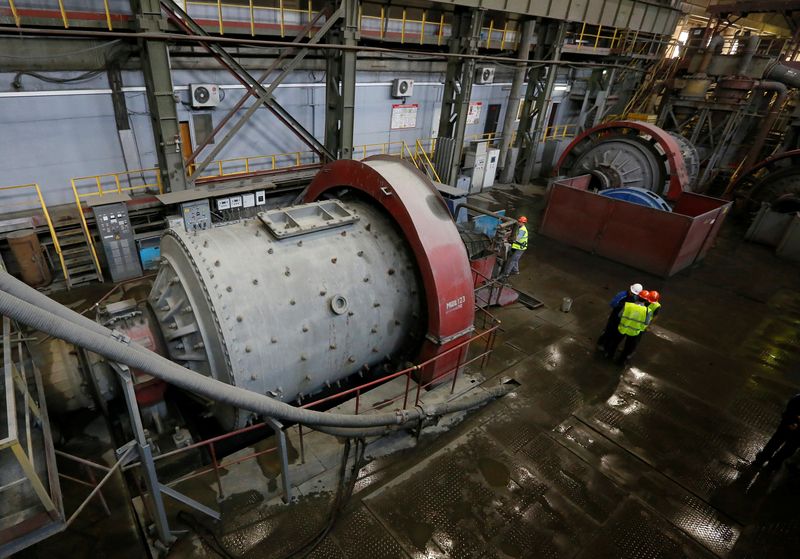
[
  {"x": 404, "y": 116},
  {"x": 474, "y": 113}
]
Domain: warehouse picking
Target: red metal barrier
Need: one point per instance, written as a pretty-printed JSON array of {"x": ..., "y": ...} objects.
[{"x": 659, "y": 242}]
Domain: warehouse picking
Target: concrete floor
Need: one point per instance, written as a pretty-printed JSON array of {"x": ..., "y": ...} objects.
[{"x": 586, "y": 459}]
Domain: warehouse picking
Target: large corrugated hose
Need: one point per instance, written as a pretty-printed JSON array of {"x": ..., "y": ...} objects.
[{"x": 27, "y": 306}]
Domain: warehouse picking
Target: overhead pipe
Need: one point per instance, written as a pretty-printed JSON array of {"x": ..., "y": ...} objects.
[
  {"x": 781, "y": 92},
  {"x": 43, "y": 314},
  {"x": 714, "y": 47},
  {"x": 505, "y": 221},
  {"x": 784, "y": 72},
  {"x": 221, "y": 40},
  {"x": 750, "y": 48}
]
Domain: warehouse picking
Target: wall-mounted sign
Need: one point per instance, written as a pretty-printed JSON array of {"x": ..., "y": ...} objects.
[
  {"x": 404, "y": 116},
  {"x": 474, "y": 113}
]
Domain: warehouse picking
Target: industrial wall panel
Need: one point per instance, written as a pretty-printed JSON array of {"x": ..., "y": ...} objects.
[
  {"x": 594, "y": 13},
  {"x": 623, "y": 16},
  {"x": 637, "y": 15},
  {"x": 558, "y": 9},
  {"x": 649, "y": 20},
  {"x": 609, "y": 12},
  {"x": 577, "y": 10}
]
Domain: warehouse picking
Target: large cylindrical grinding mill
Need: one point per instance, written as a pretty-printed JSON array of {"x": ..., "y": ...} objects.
[{"x": 370, "y": 270}]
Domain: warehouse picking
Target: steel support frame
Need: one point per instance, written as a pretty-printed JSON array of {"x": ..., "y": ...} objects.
[
  {"x": 340, "y": 84},
  {"x": 145, "y": 454},
  {"x": 251, "y": 84},
  {"x": 160, "y": 96},
  {"x": 248, "y": 94},
  {"x": 514, "y": 96},
  {"x": 283, "y": 452},
  {"x": 460, "y": 74},
  {"x": 542, "y": 108}
]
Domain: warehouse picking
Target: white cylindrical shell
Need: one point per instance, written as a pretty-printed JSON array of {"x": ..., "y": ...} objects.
[{"x": 287, "y": 317}]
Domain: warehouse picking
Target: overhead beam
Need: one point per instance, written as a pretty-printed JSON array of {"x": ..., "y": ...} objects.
[{"x": 754, "y": 7}]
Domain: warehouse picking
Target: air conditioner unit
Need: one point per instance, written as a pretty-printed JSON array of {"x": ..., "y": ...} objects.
[
  {"x": 484, "y": 75},
  {"x": 204, "y": 95},
  {"x": 402, "y": 87}
]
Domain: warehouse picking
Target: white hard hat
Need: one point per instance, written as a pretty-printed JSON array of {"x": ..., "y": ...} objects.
[{"x": 636, "y": 288}]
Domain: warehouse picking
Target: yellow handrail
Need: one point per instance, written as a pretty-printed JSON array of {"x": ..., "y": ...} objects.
[
  {"x": 63, "y": 14},
  {"x": 108, "y": 15},
  {"x": 14, "y": 12},
  {"x": 560, "y": 131},
  {"x": 86, "y": 234},
  {"x": 46, "y": 213},
  {"x": 428, "y": 161}
]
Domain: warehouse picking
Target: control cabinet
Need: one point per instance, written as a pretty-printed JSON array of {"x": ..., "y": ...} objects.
[{"x": 119, "y": 245}]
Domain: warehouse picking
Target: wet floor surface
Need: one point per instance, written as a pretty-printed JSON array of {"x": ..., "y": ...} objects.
[{"x": 587, "y": 459}]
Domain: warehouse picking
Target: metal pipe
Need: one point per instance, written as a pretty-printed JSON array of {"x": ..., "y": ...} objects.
[
  {"x": 505, "y": 220},
  {"x": 178, "y": 37},
  {"x": 751, "y": 45},
  {"x": 714, "y": 46},
  {"x": 781, "y": 92},
  {"x": 787, "y": 73},
  {"x": 76, "y": 331},
  {"x": 514, "y": 96},
  {"x": 459, "y": 404}
]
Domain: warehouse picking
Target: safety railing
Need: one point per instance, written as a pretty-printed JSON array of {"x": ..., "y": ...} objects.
[
  {"x": 27, "y": 190},
  {"x": 90, "y": 10},
  {"x": 20, "y": 447},
  {"x": 258, "y": 164},
  {"x": 460, "y": 355},
  {"x": 133, "y": 183},
  {"x": 425, "y": 159},
  {"x": 560, "y": 131}
]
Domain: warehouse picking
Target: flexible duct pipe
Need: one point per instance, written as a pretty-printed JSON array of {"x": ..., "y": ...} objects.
[
  {"x": 781, "y": 91},
  {"x": 787, "y": 73},
  {"x": 714, "y": 47},
  {"x": 751, "y": 45},
  {"x": 136, "y": 357},
  {"x": 461, "y": 404}
]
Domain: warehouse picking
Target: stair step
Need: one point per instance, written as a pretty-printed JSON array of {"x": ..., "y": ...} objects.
[
  {"x": 71, "y": 251},
  {"x": 77, "y": 270},
  {"x": 83, "y": 279}
]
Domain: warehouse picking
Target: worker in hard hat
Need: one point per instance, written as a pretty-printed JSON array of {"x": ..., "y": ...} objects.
[
  {"x": 630, "y": 295},
  {"x": 518, "y": 247},
  {"x": 633, "y": 321},
  {"x": 654, "y": 303}
]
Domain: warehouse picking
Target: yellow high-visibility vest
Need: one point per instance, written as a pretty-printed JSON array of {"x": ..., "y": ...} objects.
[
  {"x": 521, "y": 243},
  {"x": 634, "y": 319}
]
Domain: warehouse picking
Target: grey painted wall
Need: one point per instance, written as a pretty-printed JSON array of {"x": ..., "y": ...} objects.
[{"x": 50, "y": 133}]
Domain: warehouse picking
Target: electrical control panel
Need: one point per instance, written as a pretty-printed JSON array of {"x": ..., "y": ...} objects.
[
  {"x": 119, "y": 245},
  {"x": 196, "y": 215}
]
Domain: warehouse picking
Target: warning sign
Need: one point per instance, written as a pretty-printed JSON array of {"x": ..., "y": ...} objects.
[
  {"x": 404, "y": 116},
  {"x": 474, "y": 113}
]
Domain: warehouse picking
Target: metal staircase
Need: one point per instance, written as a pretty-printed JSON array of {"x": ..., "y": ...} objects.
[{"x": 78, "y": 255}]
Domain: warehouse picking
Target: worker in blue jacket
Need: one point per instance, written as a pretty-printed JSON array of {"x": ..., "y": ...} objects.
[
  {"x": 786, "y": 439},
  {"x": 630, "y": 295}
]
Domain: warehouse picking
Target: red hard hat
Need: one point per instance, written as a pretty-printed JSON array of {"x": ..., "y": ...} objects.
[
  {"x": 655, "y": 296},
  {"x": 644, "y": 294},
  {"x": 523, "y": 219}
]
